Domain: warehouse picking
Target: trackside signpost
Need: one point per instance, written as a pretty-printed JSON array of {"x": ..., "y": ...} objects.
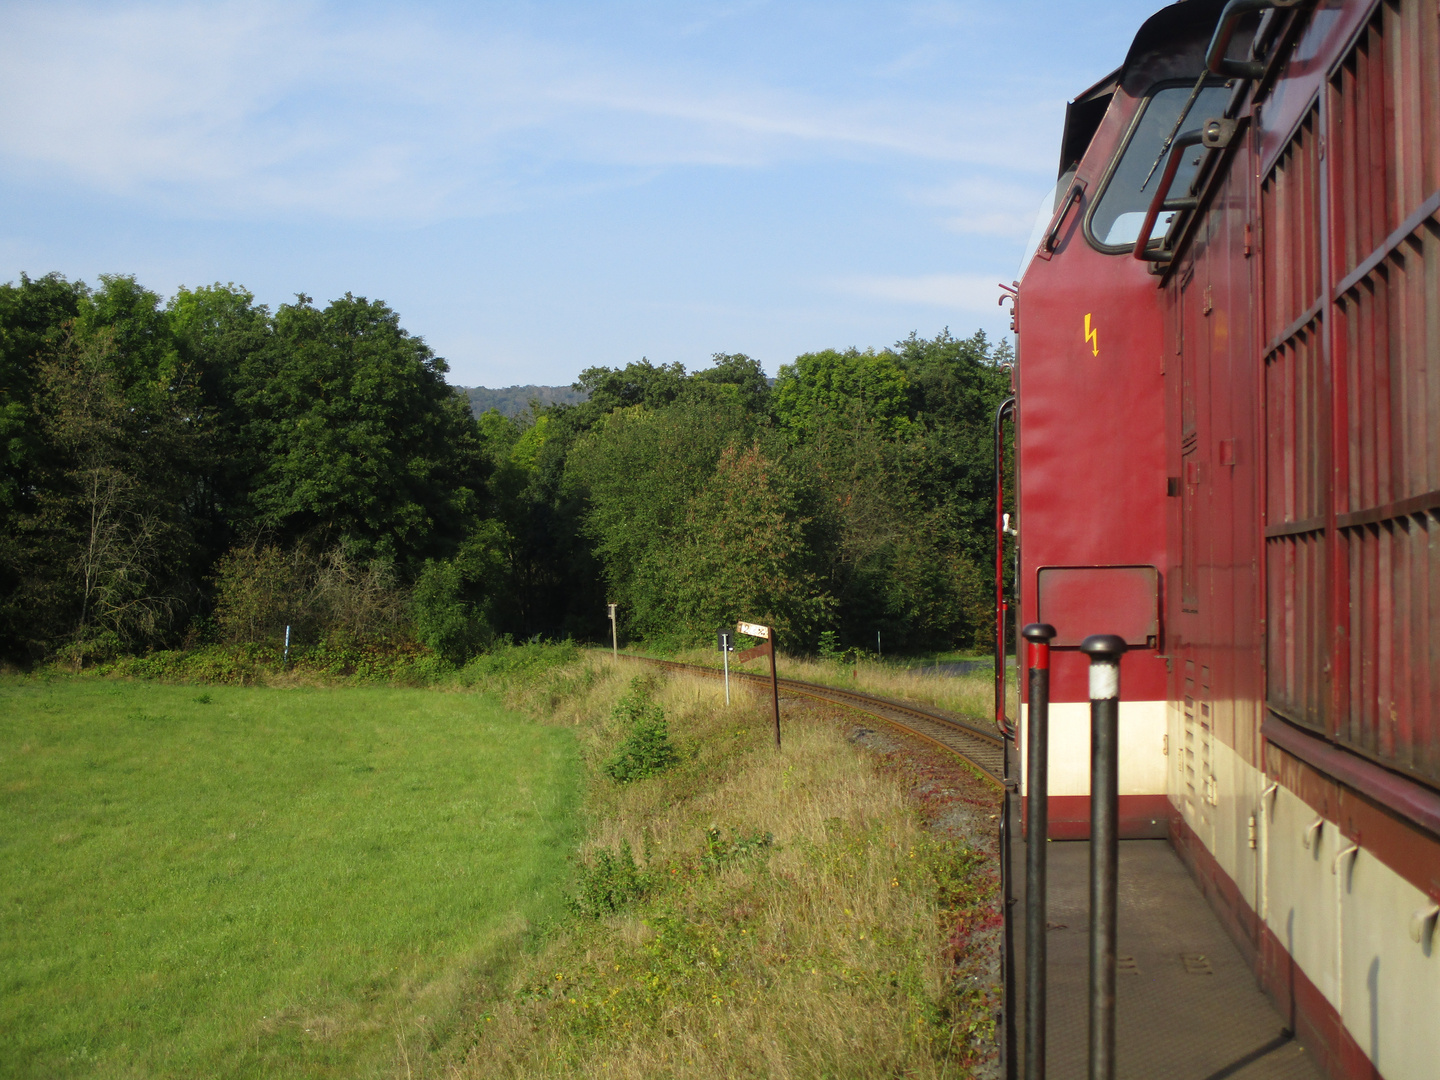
[
  {"x": 767, "y": 635},
  {"x": 726, "y": 641}
]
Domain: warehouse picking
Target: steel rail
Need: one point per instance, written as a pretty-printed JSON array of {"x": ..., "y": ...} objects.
[{"x": 981, "y": 748}]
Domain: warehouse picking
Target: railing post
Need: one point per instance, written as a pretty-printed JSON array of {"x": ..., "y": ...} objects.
[
  {"x": 1007, "y": 938},
  {"x": 1037, "y": 801},
  {"x": 1006, "y": 411},
  {"x": 1104, "y": 651}
]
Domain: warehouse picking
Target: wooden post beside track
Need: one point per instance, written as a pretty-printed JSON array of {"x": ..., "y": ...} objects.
[{"x": 768, "y": 649}]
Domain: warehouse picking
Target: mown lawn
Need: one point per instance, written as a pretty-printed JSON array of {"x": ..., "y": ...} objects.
[{"x": 232, "y": 881}]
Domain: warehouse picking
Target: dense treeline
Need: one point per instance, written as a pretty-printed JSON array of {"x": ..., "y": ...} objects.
[{"x": 204, "y": 469}]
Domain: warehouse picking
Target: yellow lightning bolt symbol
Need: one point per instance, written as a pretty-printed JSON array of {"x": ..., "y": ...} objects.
[{"x": 1092, "y": 336}]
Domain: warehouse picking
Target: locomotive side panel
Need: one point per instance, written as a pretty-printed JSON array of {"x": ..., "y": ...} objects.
[
  {"x": 1214, "y": 459},
  {"x": 1306, "y": 628}
]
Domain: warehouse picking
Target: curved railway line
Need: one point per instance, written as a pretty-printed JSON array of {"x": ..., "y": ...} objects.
[{"x": 981, "y": 748}]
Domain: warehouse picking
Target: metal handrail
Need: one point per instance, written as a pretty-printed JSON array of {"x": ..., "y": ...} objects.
[
  {"x": 1062, "y": 214},
  {"x": 1004, "y": 412},
  {"x": 1159, "y": 202},
  {"x": 1235, "y": 10}
]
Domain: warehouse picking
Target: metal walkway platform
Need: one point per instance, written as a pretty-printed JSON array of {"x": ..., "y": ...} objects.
[{"x": 1187, "y": 1004}]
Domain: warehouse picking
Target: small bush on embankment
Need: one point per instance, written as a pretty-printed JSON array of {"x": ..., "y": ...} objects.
[
  {"x": 647, "y": 750},
  {"x": 742, "y": 912}
]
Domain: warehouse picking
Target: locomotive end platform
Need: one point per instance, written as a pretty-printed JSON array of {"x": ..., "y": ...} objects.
[{"x": 1187, "y": 1007}]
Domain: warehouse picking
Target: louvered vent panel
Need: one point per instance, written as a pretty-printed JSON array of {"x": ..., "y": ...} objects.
[
  {"x": 1297, "y": 407},
  {"x": 1290, "y": 212},
  {"x": 1384, "y": 116}
]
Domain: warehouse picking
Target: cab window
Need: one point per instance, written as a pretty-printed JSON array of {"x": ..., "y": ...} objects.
[{"x": 1114, "y": 222}]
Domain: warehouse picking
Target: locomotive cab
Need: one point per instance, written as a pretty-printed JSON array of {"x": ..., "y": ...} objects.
[{"x": 1090, "y": 417}]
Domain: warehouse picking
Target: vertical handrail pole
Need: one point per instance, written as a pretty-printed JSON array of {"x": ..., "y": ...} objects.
[
  {"x": 1104, "y": 651},
  {"x": 1010, "y": 1059},
  {"x": 1004, "y": 412},
  {"x": 1037, "y": 801},
  {"x": 1007, "y": 899}
]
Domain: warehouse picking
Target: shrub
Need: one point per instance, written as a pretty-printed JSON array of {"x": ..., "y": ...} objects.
[
  {"x": 444, "y": 619},
  {"x": 510, "y": 663},
  {"x": 261, "y": 590},
  {"x": 258, "y": 591},
  {"x": 612, "y": 882},
  {"x": 720, "y": 851},
  {"x": 648, "y": 749}
]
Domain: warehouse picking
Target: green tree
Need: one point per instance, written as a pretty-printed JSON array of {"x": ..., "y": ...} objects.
[
  {"x": 640, "y": 383},
  {"x": 528, "y": 553},
  {"x": 142, "y": 344},
  {"x": 102, "y": 559},
  {"x": 955, "y": 386},
  {"x": 823, "y": 387},
  {"x": 445, "y": 619},
  {"x": 226, "y": 339},
  {"x": 636, "y": 473},
  {"x": 35, "y": 316},
  {"x": 744, "y": 552},
  {"x": 737, "y": 376},
  {"x": 360, "y": 435}
]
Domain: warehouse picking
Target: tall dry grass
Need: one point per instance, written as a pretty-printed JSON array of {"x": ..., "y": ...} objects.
[
  {"x": 797, "y": 919},
  {"x": 970, "y": 696}
]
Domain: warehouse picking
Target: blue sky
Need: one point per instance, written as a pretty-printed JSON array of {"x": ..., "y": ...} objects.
[{"x": 539, "y": 187}]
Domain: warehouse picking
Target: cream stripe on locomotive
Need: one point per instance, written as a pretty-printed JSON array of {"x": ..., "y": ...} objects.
[
  {"x": 1342, "y": 914},
  {"x": 1142, "y": 748}
]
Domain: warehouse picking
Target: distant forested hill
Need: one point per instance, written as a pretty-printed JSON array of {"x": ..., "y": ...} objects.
[{"x": 514, "y": 400}]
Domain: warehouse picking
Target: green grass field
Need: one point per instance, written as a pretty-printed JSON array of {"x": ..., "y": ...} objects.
[{"x": 227, "y": 881}]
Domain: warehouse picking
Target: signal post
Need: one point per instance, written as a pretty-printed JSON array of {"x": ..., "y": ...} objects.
[{"x": 767, "y": 648}]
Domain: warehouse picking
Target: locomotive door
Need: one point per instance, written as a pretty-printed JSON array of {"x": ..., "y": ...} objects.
[
  {"x": 1190, "y": 461},
  {"x": 1193, "y": 346}
]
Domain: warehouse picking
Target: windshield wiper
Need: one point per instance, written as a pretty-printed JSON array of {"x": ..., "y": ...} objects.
[{"x": 1170, "y": 139}]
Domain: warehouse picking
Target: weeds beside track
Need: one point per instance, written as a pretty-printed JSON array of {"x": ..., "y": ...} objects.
[{"x": 983, "y": 749}]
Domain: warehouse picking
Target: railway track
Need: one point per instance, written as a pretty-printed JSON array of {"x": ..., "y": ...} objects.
[{"x": 981, "y": 748}]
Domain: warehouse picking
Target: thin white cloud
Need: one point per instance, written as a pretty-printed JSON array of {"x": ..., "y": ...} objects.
[
  {"x": 987, "y": 205},
  {"x": 263, "y": 108},
  {"x": 964, "y": 292}
]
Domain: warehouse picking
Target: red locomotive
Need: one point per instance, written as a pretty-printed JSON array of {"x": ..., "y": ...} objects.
[{"x": 1227, "y": 439}]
